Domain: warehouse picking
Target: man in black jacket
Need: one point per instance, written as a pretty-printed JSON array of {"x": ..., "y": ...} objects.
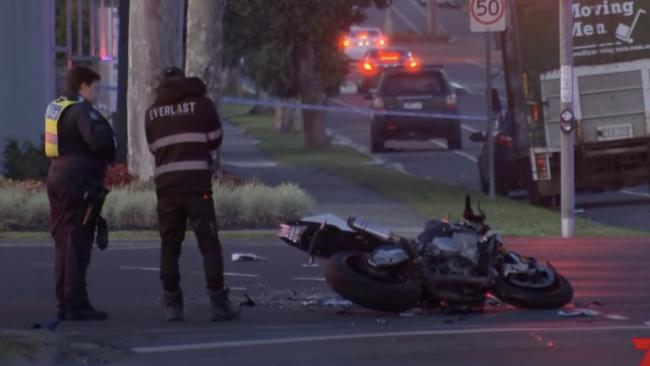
[
  {"x": 81, "y": 143},
  {"x": 184, "y": 133}
]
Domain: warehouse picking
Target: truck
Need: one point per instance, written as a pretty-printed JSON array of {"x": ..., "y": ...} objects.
[{"x": 611, "y": 90}]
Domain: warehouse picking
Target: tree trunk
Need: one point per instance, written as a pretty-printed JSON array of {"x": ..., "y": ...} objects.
[
  {"x": 155, "y": 42},
  {"x": 312, "y": 91},
  {"x": 432, "y": 17},
  {"x": 204, "y": 42},
  {"x": 284, "y": 118}
]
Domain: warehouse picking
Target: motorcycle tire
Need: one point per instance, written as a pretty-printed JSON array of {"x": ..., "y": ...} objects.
[
  {"x": 347, "y": 278},
  {"x": 552, "y": 297}
]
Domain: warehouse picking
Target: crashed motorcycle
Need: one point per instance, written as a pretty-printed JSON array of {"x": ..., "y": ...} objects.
[{"x": 449, "y": 265}]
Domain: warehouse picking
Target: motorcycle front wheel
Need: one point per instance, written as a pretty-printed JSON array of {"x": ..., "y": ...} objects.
[
  {"x": 554, "y": 296},
  {"x": 347, "y": 275}
]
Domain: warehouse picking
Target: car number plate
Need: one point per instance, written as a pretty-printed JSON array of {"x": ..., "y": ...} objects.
[
  {"x": 616, "y": 132},
  {"x": 413, "y": 105}
]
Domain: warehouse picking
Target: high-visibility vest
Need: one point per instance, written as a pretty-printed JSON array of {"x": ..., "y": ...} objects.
[{"x": 53, "y": 113}]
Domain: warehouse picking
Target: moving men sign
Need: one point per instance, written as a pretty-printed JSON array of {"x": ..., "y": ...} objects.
[
  {"x": 604, "y": 31},
  {"x": 610, "y": 27}
]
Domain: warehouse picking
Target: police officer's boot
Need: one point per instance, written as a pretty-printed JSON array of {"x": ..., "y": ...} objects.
[
  {"x": 221, "y": 307},
  {"x": 174, "y": 305}
]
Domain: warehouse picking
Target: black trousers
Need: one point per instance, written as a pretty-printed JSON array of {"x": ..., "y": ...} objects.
[
  {"x": 73, "y": 241},
  {"x": 174, "y": 210}
]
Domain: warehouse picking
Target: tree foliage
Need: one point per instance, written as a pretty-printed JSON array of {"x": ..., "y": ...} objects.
[{"x": 276, "y": 36}]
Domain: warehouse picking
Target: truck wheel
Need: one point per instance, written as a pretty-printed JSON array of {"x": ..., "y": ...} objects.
[{"x": 455, "y": 139}]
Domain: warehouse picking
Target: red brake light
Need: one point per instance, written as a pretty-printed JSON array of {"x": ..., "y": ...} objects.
[
  {"x": 390, "y": 57},
  {"x": 381, "y": 42},
  {"x": 503, "y": 140},
  {"x": 452, "y": 102},
  {"x": 412, "y": 64},
  {"x": 367, "y": 67}
]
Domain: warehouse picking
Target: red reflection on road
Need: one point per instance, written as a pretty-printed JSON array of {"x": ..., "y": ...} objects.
[{"x": 643, "y": 344}]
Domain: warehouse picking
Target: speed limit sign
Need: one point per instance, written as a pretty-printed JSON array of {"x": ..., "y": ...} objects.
[{"x": 487, "y": 15}]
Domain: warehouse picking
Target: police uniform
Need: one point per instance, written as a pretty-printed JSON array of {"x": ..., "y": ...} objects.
[
  {"x": 184, "y": 134},
  {"x": 81, "y": 143}
]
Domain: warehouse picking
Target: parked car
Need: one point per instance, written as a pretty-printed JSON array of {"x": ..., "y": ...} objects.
[
  {"x": 421, "y": 91},
  {"x": 359, "y": 40},
  {"x": 376, "y": 60},
  {"x": 505, "y": 166}
]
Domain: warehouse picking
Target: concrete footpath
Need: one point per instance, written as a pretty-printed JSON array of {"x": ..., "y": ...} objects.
[{"x": 241, "y": 156}]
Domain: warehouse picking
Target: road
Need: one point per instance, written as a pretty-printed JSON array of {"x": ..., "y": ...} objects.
[
  {"x": 465, "y": 66},
  {"x": 288, "y": 327}
]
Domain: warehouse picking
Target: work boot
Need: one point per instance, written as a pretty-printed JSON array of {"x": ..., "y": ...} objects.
[
  {"x": 221, "y": 307},
  {"x": 174, "y": 305}
]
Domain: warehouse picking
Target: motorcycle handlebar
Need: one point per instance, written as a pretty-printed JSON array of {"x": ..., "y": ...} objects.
[{"x": 370, "y": 228}]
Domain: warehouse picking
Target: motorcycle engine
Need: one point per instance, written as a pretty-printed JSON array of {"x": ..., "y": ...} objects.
[{"x": 451, "y": 250}]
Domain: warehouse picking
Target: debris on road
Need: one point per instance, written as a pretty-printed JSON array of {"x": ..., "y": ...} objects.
[
  {"x": 248, "y": 302},
  {"x": 589, "y": 304},
  {"x": 50, "y": 324},
  {"x": 577, "y": 312},
  {"x": 247, "y": 257},
  {"x": 494, "y": 301},
  {"x": 335, "y": 302}
]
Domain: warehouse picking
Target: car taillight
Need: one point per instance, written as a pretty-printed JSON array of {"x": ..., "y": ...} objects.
[
  {"x": 381, "y": 42},
  {"x": 452, "y": 102},
  {"x": 412, "y": 64},
  {"x": 503, "y": 140},
  {"x": 378, "y": 103},
  {"x": 344, "y": 43},
  {"x": 291, "y": 233},
  {"x": 367, "y": 67}
]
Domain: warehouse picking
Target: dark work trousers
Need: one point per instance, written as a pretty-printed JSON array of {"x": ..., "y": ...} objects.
[
  {"x": 174, "y": 210},
  {"x": 73, "y": 241}
]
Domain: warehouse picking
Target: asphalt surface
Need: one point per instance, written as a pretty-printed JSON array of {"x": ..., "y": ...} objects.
[{"x": 291, "y": 325}]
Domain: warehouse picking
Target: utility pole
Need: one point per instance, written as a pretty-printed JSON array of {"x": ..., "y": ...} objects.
[
  {"x": 432, "y": 11},
  {"x": 490, "y": 112},
  {"x": 567, "y": 120}
]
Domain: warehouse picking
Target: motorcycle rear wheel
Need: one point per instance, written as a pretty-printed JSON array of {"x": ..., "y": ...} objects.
[
  {"x": 348, "y": 278},
  {"x": 555, "y": 296}
]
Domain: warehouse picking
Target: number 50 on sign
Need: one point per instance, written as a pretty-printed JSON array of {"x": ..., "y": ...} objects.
[{"x": 487, "y": 15}]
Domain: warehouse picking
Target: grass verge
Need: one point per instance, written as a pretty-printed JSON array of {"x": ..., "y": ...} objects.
[{"x": 434, "y": 199}]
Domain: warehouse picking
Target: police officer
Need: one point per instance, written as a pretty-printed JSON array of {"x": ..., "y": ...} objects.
[
  {"x": 184, "y": 133},
  {"x": 81, "y": 144}
]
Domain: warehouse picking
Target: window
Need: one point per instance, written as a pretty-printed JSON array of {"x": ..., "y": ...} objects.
[{"x": 427, "y": 83}]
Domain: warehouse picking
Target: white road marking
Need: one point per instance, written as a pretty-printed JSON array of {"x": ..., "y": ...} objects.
[
  {"x": 616, "y": 317},
  {"x": 469, "y": 129},
  {"x": 457, "y": 152},
  {"x": 132, "y": 268},
  {"x": 483, "y": 66},
  {"x": 316, "y": 279},
  {"x": 404, "y": 19},
  {"x": 234, "y": 274},
  {"x": 233, "y": 288},
  {"x": 375, "y": 335},
  {"x": 638, "y": 194}
]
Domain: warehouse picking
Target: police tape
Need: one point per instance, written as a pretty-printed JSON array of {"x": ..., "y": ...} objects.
[{"x": 348, "y": 109}]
